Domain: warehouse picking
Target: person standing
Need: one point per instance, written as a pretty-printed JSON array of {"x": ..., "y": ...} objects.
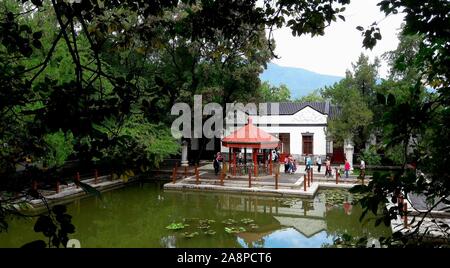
[
  {"x": 217, "y": 162},
  {"x": 328, "y": 167},
  {"x": 291, "y": 163},
  {"x": 308, "y": 163},
  {"x": 362, "y": 167},
  {"x": 346, "y": 168},
  {"x": 286, "y": 164},
  {"x": 319, "y": 163},
  {"x": 240, "y": 158}
]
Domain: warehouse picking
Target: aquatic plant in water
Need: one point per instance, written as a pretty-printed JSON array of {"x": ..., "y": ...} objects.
[
  {"x": 247, "y": 221},
  {"x": 190, "y": 235},
  {"x": 234, "y": 230},
  {"x": 229, "y": 222},
  {"x": 177, "y": 226}
]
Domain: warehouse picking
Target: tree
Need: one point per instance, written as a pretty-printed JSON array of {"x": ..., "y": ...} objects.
[
  {"x": 271, "y": 93},
  {"x": 314, "y": 96},
  {"x": 416, "y": 118},
  {"x": 98, "y": 70},
  {"x": 355, "y": 95}
]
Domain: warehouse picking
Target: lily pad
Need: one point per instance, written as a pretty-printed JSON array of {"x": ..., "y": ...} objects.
[
  {"x": 190, "y": 235},
  {"x": 177, "y": 226},
  {"x": 210, "y": 232},
  {"x": 206, "y": 221},
  {"x": 234, "y": 230},
  {"x": 229, "y": 222},
  {"x": 247, "y": 221}
]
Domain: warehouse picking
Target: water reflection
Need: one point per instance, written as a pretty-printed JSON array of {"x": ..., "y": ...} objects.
[
  {"x": 137, "y": 216},
  {"x": 285, "y": 238}
]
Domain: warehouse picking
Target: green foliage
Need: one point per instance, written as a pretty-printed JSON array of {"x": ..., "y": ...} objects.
[
  {"x": 354, "y": 95},
  {"x": 234, "y": 230},
  {"x": 56, "y": 227},
  {"x": 59, "y": 147},
  {"x": 274, "y": 94},
  {"x": 314, "y": 96},
  {"x": 371, "y": 156},
  {"x": 176, "y": 226},
  {"x": 396, "y": 154}
]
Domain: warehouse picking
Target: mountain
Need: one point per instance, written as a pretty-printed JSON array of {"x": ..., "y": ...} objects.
[{"x": 299, "y": 81}]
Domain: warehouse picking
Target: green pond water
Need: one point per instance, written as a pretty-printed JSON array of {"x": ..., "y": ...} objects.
[{"x": 137, "y": 216}]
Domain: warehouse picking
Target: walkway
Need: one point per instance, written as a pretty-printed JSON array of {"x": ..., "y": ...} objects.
[{"x": 288, "y": 184}]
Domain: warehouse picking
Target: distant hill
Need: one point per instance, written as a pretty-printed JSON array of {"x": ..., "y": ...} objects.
[{"x": 298, "y": 80}]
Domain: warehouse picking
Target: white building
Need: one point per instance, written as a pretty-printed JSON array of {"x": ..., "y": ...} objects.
[{"x": 301, "y": 128}]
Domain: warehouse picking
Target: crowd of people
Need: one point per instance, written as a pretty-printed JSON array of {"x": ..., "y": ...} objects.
[{"x": 290, "y": 163}]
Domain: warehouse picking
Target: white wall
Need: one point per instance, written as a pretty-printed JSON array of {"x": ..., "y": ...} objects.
[
  {"x": 303, "y": 121},
  {"x": 305, "y": 116},
  {"x": 319, "y": 142}
]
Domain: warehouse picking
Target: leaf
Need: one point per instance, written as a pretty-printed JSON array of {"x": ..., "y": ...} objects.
[
  {"x": 381, "y": 99},
  {"x": 190, "y": 235},
  {"x": 359, "y": 28},
  {"x": 176, "y": 226},
  {"x": 210, "y": 232},
  {"x": 377, "y": 36},
  {"x": 37, "y": 44},
  {"x": 59, "y": 209},
  {"x": 363, "y": 214},
  {"x": 25, "y": 28},
  {"x": 35, "y": 244},
  {"x": 88, "y": 189},
  {"x": 341, "y": 17},
  {"x": 45, "y": 225},
  {"x": 37, "y": 35},
  {"x": 37, "y": 2},
  {"x": 391, "y": 100}
]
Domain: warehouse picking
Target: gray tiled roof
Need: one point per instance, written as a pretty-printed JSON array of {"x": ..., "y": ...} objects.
[{"x": 289, "y": 108}]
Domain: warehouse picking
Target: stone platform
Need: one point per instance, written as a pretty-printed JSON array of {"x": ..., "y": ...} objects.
[{"x": 289, "y": 185}]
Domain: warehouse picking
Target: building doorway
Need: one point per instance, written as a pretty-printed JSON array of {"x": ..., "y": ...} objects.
[
  {"x": 285, "y": 145},
  {"x": 308, "y": 141}
]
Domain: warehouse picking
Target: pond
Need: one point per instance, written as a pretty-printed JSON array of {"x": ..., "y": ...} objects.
[{"x": 147, "y": 216}]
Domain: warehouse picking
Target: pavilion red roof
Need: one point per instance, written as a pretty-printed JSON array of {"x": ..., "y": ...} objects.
[{"x": 250, "y": 136}]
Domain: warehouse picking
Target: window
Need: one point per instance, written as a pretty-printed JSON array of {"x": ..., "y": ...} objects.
[
  {"x": 307, "y": 144},
  {"x": 329, "y": 149},
  {"x": 285, "y": 139}
]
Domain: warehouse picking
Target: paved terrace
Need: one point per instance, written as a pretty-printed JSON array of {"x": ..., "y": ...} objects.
[{"x": 288, "y": 184}]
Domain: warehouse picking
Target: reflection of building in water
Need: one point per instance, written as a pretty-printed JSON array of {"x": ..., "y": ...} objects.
[
  {"x": 306, "y": 216},
  {"x": 168, "y": 241}
]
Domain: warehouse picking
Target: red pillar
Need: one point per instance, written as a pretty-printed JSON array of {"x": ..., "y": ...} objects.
[
  {"x": 77, "y": 179},
  {"x": 255, "y": 162},
  {"x": 96, "y": 176},
  {"x": 249, "y": 179},
  {"x": 197, "y": 175},
  {"x": 309, "y": 178},
  {"x": 405, "y": 210},
  {"x": 229, "y": 160},
  {"x": 276, "y": 181},
  {"x": 264, "y": 160},
  {"x": 337, "y": 176},
  {"x": 304, "y": 182},
  {"x": 173, "y": 175},
  {"x": 234, "y": 162}
]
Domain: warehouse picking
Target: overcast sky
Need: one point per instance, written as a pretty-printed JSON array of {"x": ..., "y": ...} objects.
[{"x": 341, "y": 45}]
